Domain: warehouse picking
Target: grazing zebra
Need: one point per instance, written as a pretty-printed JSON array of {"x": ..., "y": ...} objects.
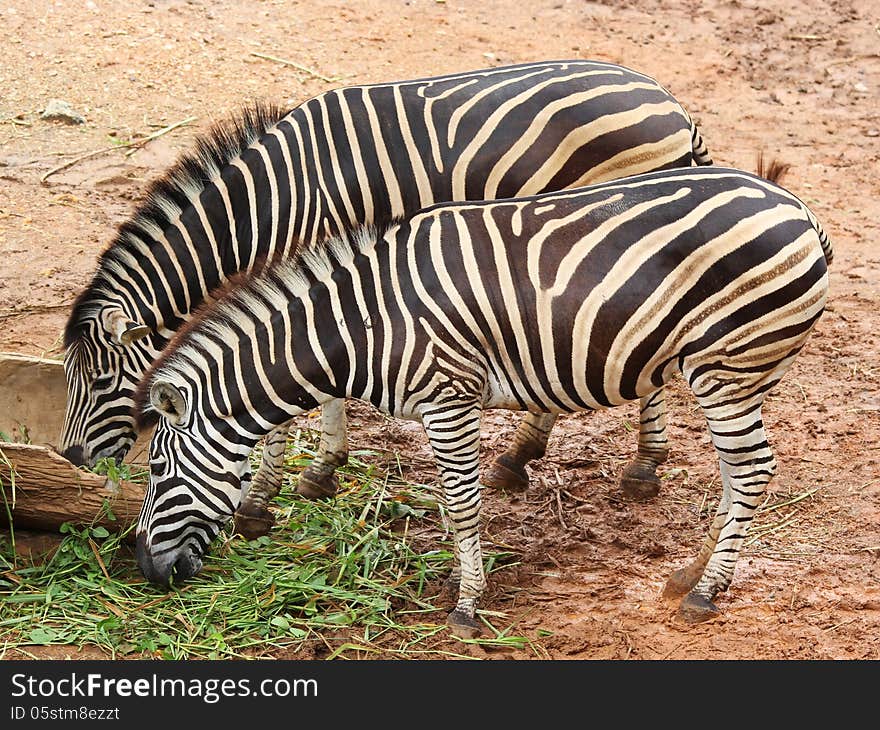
[
  {"x": 261, "y": 185},
  {"x": 555, "y": 303}
]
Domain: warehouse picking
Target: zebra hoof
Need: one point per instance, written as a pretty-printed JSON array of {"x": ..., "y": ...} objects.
[
  {"x": 695, "y": 609},
  {"x": 317, "y": 485},
  {"x": 506, "y": 474},
  {"x": 639, "y": 483},
  {"x": 464, "y": 626},
  {"x": 680, "y": 583},
  {"x": 253, "y": 522}
]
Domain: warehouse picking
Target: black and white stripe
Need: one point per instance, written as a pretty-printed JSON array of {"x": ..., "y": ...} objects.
[
  {"x": 563, "y": 302},
  {"x": 269, "y": 182}
]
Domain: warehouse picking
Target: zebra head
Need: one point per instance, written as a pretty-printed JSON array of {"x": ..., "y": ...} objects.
[
  {"x": 197, "y": 479},
  {"x": 106, "y": 354}
]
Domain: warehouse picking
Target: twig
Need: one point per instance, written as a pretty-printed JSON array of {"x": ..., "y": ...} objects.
[
  {"x": 559, "y": 506},
  {"x": 793, "y": 500},
  {"x": 757, "y": 534},
  {"x": 134, "y": 143},
  {"x": 38, "y": 309},
  {"x": 299, "y": 66},
  {"x": 842, "y": 623},
  {"x": 116, "y": 611},
  {"x": 850, "y": 59},
  {"x": 673, "y": 650},
  {"x": 100, "y": 560}
]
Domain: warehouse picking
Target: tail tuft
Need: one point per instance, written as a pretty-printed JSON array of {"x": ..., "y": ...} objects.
[{"x": 774, "y": 171}]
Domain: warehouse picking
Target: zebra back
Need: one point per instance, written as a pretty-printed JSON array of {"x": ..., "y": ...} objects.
[
  {"x": 624, "y": 245},
  {"x": 268, "y": 182}
]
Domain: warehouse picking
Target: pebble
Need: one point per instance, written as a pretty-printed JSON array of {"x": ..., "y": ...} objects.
[{"x": 62, "y": 111}]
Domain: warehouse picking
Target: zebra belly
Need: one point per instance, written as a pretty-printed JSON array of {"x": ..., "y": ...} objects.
[{"x": 556, "y": 398}]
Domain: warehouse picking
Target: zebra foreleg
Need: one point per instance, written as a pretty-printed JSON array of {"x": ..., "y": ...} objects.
[
  {"x": 454, "y": 435},
  {"x": 747, "y": 464},
  {"x": 639, "y": 479},
  {"x": 508, "y": 472},
  {"x": 253, "y": 517},
  {"x": 318, "y": 480}
]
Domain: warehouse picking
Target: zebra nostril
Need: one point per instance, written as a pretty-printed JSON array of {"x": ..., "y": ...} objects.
[
  {"x": 75, "y": 455},
  {"x": 187, "y": 565},
  {"x": 158, "y": 574}
]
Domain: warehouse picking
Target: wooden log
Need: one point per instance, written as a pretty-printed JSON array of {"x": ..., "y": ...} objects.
[{"x": 42, "y": 490}]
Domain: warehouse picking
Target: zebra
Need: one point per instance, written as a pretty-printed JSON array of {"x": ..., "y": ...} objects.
[
  {"x": 566, "y": 301},
  {"x": 267, "y": 181}
]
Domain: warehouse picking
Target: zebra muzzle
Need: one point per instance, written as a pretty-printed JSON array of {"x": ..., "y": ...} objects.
[
  {"x": 178, "y": 564},
  {"x": 75, "y": 455}
]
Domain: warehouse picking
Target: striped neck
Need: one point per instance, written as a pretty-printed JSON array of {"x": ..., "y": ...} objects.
[
  {"x": 283, "y": 341},
  {"x": 196, "y": 227}
]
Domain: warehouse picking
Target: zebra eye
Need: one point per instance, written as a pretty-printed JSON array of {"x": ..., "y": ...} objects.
[
  {"x": 102, "y": 382},
  {"x": 157, "y": 466}
]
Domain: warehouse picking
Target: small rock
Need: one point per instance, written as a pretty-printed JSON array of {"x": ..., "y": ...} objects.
[
  {"x": 860, "y": 88},
  {"x": 62, "y": 111},
  {"x": 872, "y": 133}
]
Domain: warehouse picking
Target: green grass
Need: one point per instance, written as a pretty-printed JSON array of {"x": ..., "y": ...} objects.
[
  {"x": 354, "y": 575},
  {"x": 115, "y": 471},
  {"x": 23, "y": 437}
]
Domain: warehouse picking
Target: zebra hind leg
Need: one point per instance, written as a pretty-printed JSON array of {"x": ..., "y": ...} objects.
[
  {"x": 508, "y": 472},
  {"x": 747, "y": 465},
  {"x": 454, "y": 435},
  {"x": 683, "y": 580},
  {"x": 639, "y": 479},
  {"x": 253, "y": 517},
  {"x": 318, "y": 480}
]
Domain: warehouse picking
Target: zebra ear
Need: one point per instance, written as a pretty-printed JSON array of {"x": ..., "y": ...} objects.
[
  {"x": 133, "y": 332},
  {"x": 169, "y": 401},
  {"x": 122, "y": 329}
]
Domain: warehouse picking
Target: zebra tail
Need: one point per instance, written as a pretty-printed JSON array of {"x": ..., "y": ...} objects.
[
  {"x": 827, "y": 248},
  {"x": 774, "y": 172},
  {"x": 700, "y": 151}
]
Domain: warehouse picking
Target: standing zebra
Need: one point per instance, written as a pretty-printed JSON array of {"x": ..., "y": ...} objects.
[
  {"x": 258, "y": 186},
  {"x": 561, "y": 302}
]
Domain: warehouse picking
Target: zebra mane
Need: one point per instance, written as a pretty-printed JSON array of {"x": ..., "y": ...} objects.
[
  {"x": 168, "y": 195},
  {"x": 267, "y": 287}
]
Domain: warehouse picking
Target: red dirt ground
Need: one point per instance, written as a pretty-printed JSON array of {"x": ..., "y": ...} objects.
[{"x": 799, "y": 80}]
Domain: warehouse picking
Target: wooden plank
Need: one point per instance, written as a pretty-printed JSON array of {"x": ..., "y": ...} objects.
[{"x": 33, "y": 398}]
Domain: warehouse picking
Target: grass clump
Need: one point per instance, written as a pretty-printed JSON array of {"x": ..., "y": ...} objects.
[
  {"x": 117, "y": 470},
  {"x": 350, "y": 576}
]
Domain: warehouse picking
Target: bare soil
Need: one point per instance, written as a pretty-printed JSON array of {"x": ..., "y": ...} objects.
[{"x": 799, "y": 80}]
